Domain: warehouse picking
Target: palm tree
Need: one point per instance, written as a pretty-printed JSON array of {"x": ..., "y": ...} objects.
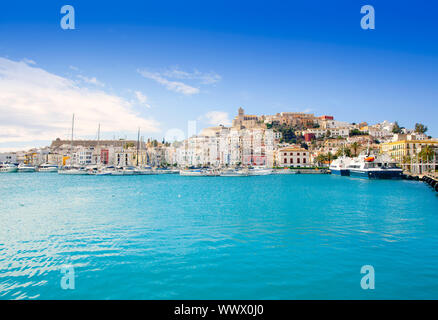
[
  {"x": 426, "y": 154},
  {"x": 320, "y": 159},
  {"x": 330, "y": 157},
  {"x": 407, "y": 162},
  {"x": 355, "y": 147}
]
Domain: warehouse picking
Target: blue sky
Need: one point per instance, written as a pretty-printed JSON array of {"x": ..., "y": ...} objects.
[{"x": 174, "y": 61}]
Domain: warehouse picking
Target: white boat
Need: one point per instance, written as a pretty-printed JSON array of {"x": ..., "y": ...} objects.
[
  {"x": 72, "y": 171},
  {"x": 144, "y": 170},
  {"x": 165, "y": 171},
  {"x": 211, "y": 173},
  {"x": 8, "y": 167},
  {"x": 48, "y": 167},
  {"x": 234, "y": 173},
  {"x": 123, "y": 171},
  {"x": 26, "y": 168},
  {"x": 374, "y": 167},
  {"x": 339, "y": 166},
  {"x": 259, "y": 171},
  {"x": 192, "y": 173}
]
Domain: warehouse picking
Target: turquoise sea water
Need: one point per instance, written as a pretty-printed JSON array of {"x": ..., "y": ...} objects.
[{"x": 172, "y": 237}]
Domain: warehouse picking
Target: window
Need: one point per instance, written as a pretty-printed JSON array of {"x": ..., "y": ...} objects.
[
  {"x": 298, "y": 160},
  {"x": 298, "y": 153},
  {"x": 291, "y": 160},
  {"x": 285, "y": 160},
  {"x": 304, "y": 160}
]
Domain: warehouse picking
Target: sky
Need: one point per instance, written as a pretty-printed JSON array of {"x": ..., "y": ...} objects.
[{"x": 156, "y": 65}]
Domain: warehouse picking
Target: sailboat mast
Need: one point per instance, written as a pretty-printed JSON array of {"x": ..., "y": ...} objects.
[
  {"x": 98, "y": 140},
  {"x": 72, "y": 130},
  {"x": 138, "y": 143}
]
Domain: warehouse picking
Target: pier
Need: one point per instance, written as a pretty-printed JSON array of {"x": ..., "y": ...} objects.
[{"x": 431, "y": 179}]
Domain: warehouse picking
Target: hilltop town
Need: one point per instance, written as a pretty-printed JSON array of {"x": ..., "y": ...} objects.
[{"x": 286, "y": 139}]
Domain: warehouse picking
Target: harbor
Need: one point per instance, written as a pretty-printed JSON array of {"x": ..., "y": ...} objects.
[{"x": 173, "y": 237}]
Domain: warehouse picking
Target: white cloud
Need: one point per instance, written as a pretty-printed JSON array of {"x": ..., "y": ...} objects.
[
  {"x": 38, "y": 105},
  {"x": 142, "y": 99},
  {"x": 91, "y": 80},
  {"x": 175, "y": 86},
  {"x": 216, "y": 118},
  {"x": 203, "y": 78}
]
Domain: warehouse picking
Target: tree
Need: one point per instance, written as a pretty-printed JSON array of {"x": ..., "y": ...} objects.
[
  {"x": 357, "y": 132},
  {"x": 396, "y": 128},
  {"x": 420, "y": 128},
  {"x": 321, "y": 158},
  {"x": 426, "y": 154},
  {"x": 355, "y": 148},
  {"x": 341, "y": 152},
  {"x": 330, "y": 157}
]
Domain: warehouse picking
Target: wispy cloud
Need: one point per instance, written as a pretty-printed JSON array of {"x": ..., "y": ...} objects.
[
  {"x": 37, "y": 105},
  {"x": 216, "y": 118},
  {"x": 91, "y": 80},
  {"x": 142, "y": 99},
  {"x": 175, "y": 86},
  {"x": 202, "y": 77}
]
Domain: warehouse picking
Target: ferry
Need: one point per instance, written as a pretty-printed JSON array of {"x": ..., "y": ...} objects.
[
  {"x": 374, "y": 167},
  {"x": 8, "y": 167},
  {"x": 26, "y": 168},
  {"x": 339, "y": 166},
  {"x": 47, "y": 167}
]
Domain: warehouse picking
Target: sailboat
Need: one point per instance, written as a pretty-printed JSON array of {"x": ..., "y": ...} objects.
[{"x": 72, "y": 170}]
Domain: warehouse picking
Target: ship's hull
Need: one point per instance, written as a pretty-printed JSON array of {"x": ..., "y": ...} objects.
[
  {"x": 340, "y": 172},
  {"x": 8, "y": 169},
  {"x": 26, "y": 169},
  {"x": 50, "y": 169},
  {"x": 380, "y": 174}
]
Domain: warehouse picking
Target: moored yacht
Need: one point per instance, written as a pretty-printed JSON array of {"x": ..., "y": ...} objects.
[
  {"x": 67, "y": 170},
  {"x": 259, "y": 171},
  {"x": 22, "y": 167},
  {"x": 144, "y": 170},
  {"x": 234, "y": 173},
  {"x": 8, "y": 167},
  {"x": 374, "y": 167},
  {"x": 48, "y": 167},
  {"x": 192, "y": 173}
]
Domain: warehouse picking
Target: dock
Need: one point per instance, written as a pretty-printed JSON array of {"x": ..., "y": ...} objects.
[{"x": 431, "y": 179}]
